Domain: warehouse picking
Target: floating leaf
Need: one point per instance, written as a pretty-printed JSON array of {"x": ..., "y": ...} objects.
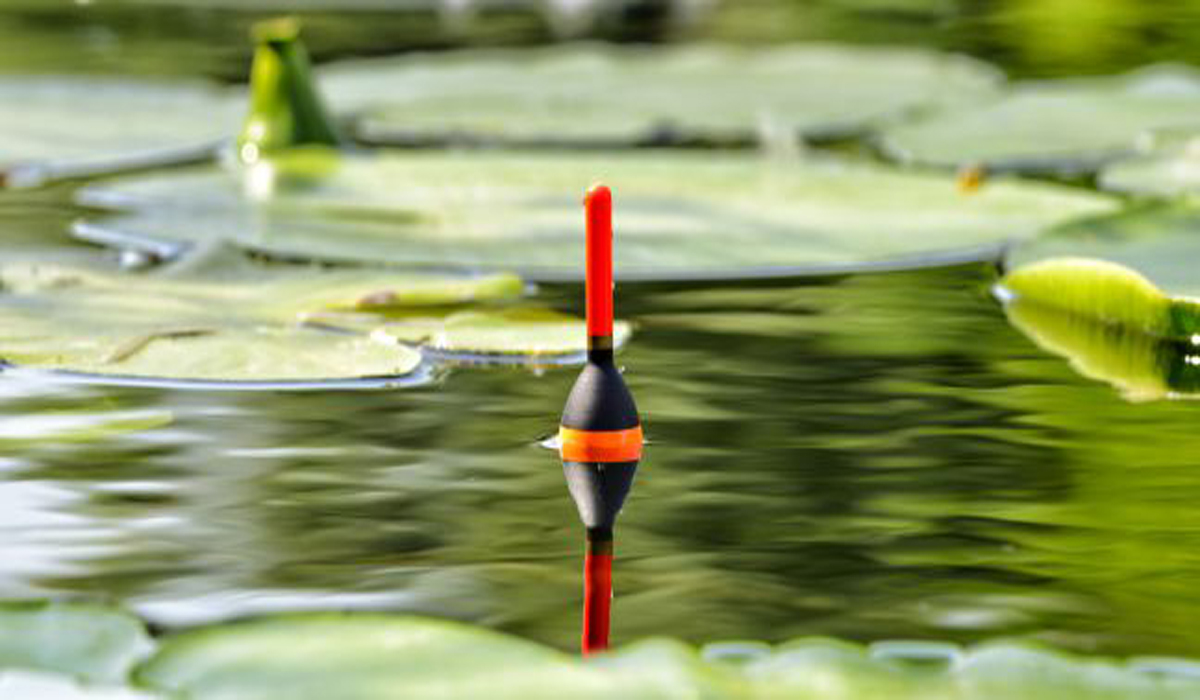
[
  {"x": 365, "y": 656},
  {"x": 1070, "y": 125},
  {"x": 523, "y": 334},
  {"x": 632, "y": 94},
  {"x": 1173, "y": 171},
  {"x": 1112, "y": 324},
  {"x": 1159, "y": 242},
  {"x": 76, "y": 127},
  {"x": 285, "y": 109},
  {"x": 233, "y": 324},
  {"x": 1097, "y": 289},
  {"x": 1141, "y": 366},
  {"x": 382, "y": 656},
  {"x": 679, "y": 215},
  {"x": 91, "y": 642}
]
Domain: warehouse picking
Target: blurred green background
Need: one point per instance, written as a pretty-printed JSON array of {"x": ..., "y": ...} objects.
[{"x": 207, "y": 37}]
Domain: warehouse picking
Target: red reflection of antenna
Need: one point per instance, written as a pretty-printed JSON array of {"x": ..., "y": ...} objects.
[{"x": 597, "y": 597}]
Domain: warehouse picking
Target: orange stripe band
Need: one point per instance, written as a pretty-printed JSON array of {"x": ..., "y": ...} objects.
[{"x": 601, "y": 445}]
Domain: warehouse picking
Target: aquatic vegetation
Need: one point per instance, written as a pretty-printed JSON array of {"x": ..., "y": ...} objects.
[
  {"x": 90, "y": 642},
  {"x": 224, "y": 320},
  {"x": 1156, "y": 241},
  {"x": 1069, "y": 125},
  {"x": 73, "y": 127},
  {"x": 1172, "y": 170},
  {"x": 688, "y": 215},
  {"x": 1111, "y": 321},
  {"x": 905, "y": 463},
  {"x": 623, "y": 96},
  {"x": 393, "y": 656},
  {"x": 285, "y": 109},
  {"x": 1107, "y": 292},
  {"x": 1142, "y": 366},
  {"x": 522, "y": 333}
]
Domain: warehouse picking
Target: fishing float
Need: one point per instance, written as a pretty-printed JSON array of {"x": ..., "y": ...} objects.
[{"x": 600, "y": 436}]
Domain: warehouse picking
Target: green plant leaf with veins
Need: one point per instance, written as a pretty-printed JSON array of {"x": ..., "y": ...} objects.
[
  {"x": 623, "y": 95},
  {"x": 1068, "y": 125},
  {"x": 67, "y": 127},
  {"x": 238, "y": 322},
  {"x": 679, "y": 215}
]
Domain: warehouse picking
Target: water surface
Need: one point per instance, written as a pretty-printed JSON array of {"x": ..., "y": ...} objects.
[{"x": 868, "y": 457}]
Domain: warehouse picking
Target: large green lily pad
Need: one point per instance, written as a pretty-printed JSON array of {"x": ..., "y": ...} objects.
[
  {"x": 1171, "y": 171},
  {"x": 678, "y": 215},
  {"x": 1159, "y": 242},
  {"x": 1070, "y": 125},
  {"x": 237, "y": 323},
  {"x": 364, "y": 656},
  {"x": 57, "y": 127},
  {"x": 379, "y": 656},
  {"x": 631, "y": 94},
  {"x": 90, "y": 642},
  {"x": 520, "y": 334}
]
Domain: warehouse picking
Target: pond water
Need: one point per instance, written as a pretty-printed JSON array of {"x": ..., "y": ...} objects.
[{"x": 867, "y": 457}]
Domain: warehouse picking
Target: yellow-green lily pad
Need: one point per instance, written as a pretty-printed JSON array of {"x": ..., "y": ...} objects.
[
  {"x": 90, "y": 642},
  {"x": 1141, "y": 366},
  {"x": 59, "y": 127},
  {"x": 1117, "y": 297},
  {"x": 521, "y": 334},
  {"x": 679, "y": 215},
  {"x": 235, "y": 323},
  {"x": 1159, "y": 242},
  {"x": 627, "y": 95},
  {"x": 386, "y": 656},
  {"x": 1068, "y": 125},
  {"x": 1170, "y": 171},
  {"x": 365, "y": 656}
]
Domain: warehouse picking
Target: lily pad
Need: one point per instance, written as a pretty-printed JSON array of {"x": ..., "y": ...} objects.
[
  {"x": 235, "y": 323},
  {"x": 678, "y": 215},
  {"x": 382, "y": 656},
  {"x": 1104, "y": 312},
  {"x": 1141, "y": 366},
  {"x": 90, "y": 642},
  {"x": 1172, "y": 171},
  {"x": 645, "y": 94},
  {"x": 364, "y": 656},
  {"x": 517, "y": 334},
  {"x": 70, "y": 127},
  {"x": 1159, "y": 242},
  {"x": 1068, "y": 126}
]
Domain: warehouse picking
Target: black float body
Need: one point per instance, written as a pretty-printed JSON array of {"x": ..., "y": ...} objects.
[{"x": 600, "y": 401}]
